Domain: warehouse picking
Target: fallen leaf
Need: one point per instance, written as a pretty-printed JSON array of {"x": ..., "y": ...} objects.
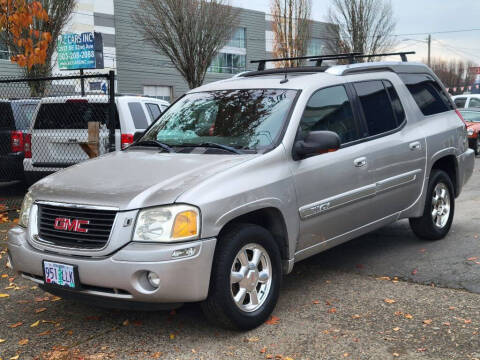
[
  {"x": 157, "y": 355},
  {"x": 46, "y": 332},
  {"x": 356, "y": 316},
  {"x": 252, "y": 339},
  {"x": 23, "y": 342},
  {"x": 396, "y": 354},
  {"x": 446, "y": 323},
  {"x": 272, "y": 321},
  {"x": 316, "y": 302},
  {"x": 15, "y": 357},
  {"x": 396, "y": 328},
  {"x": 468, "y": 321},
  {"x": 278, "y": 356},
  {"x": 125, "y": 323},
  {"x": 451, "y": 308},
  {"x": 389, "y": 301},
  {"x": 427, "y": 322},
  {"x": 332, "y": 310},
  {"x": 4, "y": 276},
  {"x": 56, "y": 298},
  {"x": 409, "y": 316},
  {"x": 263, "y": 350},
  {"x": 4, "y": 295},
  {"x": 414, "y": 271},
  {"x": 37, "y": 311},
  {"x": 172, "y": 336},
  {"x": 473, "y": 258},
  {"x": 269, "y": 356},
  {"x": 421, "y": 349},
  {"x": 2, "y": 340},
  {"x": 346, "y": 354},
  {"x": 13, "y": 326},
  {"x": 398, "y": 313},
  {"x": 287, "y": 358},
  {"x": 384, "y": 278},
  {"x": 35, "y": 324}
]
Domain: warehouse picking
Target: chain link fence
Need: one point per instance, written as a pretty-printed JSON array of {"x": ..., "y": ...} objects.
[{"x": 47, "y": 124}]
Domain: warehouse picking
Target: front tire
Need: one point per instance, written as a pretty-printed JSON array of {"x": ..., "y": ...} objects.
[
  {"x": 246, "y": 278},
  {"x": 439, "y": 208}
]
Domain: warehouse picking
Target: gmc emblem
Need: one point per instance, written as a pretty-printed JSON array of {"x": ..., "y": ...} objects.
[{"x": 71, "y": 225}]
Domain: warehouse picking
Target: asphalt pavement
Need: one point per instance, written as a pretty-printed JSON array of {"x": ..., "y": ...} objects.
[{"x": 386, "y": 295}]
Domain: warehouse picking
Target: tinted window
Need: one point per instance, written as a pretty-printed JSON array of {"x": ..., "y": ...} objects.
[
  {"x": 396, "y": 103},
  {"x": 376, "y": 106},
  {"x": 138, "y": 115},
  {"x": 460, "y": 102},
  {"x": 23, "y": 114},
  {"x": 154, "y": 111},
  {"x": 6, "y": 116},
  {"x": 474, "y": 102},
  {"x": 471, "y": 116},
  {"x": 330, "y": 109},
  {"x": 427, "y": 93},
  {"x": 71, "y": 115}
]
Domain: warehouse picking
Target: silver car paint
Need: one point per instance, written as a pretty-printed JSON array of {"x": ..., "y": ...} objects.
[{"x": 324, "y": 200}]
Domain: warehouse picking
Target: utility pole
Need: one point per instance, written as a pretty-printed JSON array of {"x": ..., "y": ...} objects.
[{"x": 429, "y": 41}]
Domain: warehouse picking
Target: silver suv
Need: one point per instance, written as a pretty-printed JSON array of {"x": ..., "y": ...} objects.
[{"x": 240, "y": 179}]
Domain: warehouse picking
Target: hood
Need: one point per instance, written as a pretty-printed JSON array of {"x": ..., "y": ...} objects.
[{"x": 132, "y": 179}]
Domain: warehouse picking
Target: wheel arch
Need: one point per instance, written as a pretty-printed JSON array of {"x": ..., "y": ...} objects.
[{"x": 449, "y": 164}]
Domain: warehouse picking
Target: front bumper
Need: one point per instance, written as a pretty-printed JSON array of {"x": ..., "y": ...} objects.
[{"x": 123, "y": 275}]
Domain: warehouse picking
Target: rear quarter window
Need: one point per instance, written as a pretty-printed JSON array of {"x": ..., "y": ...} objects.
[
  {"x": 474, "y": 102},
  {"x": 6, "y": 116},
  {"x": 427, "y": 93},
  {"x": 460, "y": 102},
  {"x": 138, "y": 115}
]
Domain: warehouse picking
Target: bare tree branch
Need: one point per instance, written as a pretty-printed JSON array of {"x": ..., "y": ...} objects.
[
  {"x": 291, "y": 29},
  {"x": 453, "y": 73},
  {"x": 361, "y": 26},
  {"x": 189, "y": 32}
]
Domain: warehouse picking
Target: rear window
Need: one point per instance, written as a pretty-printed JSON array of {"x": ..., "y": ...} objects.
[
  {"x": 138, "y": 115},
  {"x": 6, "y": 116},
  {"x": 23, "y": 114},
  {"x": 376, "y": 105},
  {"x": 428, "y": 94},
  {"x": 72, "y": 115}
]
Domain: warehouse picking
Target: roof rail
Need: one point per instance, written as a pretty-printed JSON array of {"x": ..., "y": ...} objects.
[
  {"x": 403, "y": 56},
  {"x": 319, "y": 58}
]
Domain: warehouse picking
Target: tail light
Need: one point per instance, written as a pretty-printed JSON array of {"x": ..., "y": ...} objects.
[
  {"x": 27, "y": 146},
  {"x": 461, "y": 117},
  {"x": 16, "y": 141},
  {"x": 126, "y": 140}
]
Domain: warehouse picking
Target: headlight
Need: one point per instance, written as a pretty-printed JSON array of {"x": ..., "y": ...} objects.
[
  {"x": 470, "y": 132},
  {"x": 167, "y": 224},
  {"x": 25, "y": 210}
]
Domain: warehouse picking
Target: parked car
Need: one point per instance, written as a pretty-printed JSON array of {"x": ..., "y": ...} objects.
[
  {"x": 239, "y": 180},
  {"x": 15, "y": 119},
  {"x": 467, "y": 101},
  {"x": 61, "y": 124},
  {"x": 472, "y": 119}
]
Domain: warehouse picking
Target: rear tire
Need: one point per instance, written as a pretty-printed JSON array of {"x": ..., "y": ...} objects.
[
  {"x": 243, "y": 295},
  {"x": 439, "y": 208}
]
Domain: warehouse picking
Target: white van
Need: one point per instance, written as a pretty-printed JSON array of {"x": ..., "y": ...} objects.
[{"x": 61, "y": 124}]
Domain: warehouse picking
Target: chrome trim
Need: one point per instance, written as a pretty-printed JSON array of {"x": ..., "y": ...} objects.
[
  {"x": 396, "y": 181},
  {"x": 77, "y": 206},
  {"x": 334, "y": 202}
]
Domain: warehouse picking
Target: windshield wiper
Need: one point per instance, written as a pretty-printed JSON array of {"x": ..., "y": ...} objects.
[
  {"x": 155, "y": 143},
  {"x": 214, "y": 145}
]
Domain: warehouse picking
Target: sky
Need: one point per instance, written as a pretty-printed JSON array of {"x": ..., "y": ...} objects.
[{"x": 420, "y": 17}]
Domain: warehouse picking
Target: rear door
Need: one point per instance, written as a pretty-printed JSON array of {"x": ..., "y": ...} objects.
[
  {"x": 7, "y": 124},
  {"x": 60, "y": 128},
  {"x": 397, "y": 152}
]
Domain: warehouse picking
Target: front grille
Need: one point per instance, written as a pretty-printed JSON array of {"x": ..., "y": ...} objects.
[{"x": 99, "y": 227}]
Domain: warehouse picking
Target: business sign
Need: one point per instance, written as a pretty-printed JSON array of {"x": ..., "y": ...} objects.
[{"x": 80, "y": 51}]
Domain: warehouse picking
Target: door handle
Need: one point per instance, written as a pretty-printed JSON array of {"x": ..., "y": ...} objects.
[
  {"x": 415, "y": 146},
  {"x": 360, "y": 162}
]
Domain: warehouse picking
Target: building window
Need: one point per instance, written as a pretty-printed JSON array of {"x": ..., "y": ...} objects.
[
  {"x": 238, "y": 39},
  {"x": 315, "y": 47},
  {"x": 159, "y": 92},
  {"x": 228, "y": 63}
]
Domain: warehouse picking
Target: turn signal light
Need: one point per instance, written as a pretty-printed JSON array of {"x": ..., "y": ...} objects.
[{"x": 185, "y": 225}]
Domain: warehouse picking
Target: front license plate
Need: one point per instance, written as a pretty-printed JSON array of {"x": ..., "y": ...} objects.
[{"x": 60, "y": 274}]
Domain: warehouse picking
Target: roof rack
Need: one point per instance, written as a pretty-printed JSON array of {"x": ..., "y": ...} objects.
[
  {"x": 403, "y": 56},
  {"x": 318, "y": 58}
]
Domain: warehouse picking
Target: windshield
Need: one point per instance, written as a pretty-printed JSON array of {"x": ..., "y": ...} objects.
[
  {"x": 471, "y": 116},
  {"x": 242, "y": 119}
]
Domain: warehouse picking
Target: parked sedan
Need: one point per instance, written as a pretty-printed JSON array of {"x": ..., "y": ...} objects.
[{"x": 472, "y": 118}]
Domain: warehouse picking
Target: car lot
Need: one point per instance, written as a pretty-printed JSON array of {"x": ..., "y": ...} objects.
[{"x": 345, "y": 303}]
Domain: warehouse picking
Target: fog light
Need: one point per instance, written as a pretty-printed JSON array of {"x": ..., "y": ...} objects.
[
  {"x": 153, "y": 279},
  {"x": 184, "y": 252}
]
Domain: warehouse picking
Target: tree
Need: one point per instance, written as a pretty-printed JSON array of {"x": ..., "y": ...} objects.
[
  {"x": 453, "y": 73},
  {"x": 291, "y": 29},
  {"x": 189, "y": 32},
  {"x": 17, "y": 25},
  {"x": 364, "y": 26}
]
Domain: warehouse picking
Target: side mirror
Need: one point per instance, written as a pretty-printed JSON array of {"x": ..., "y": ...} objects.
[
  {"x": 315, "y": 143},
  {"x": 137, "y": 135}
]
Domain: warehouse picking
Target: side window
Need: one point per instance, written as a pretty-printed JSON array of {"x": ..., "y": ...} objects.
[
  {"x": 376, "y": 106},
  {"x": 474, "y": 102},
  {"x": 460, "y": 102},
  {"x": 154, "y": 111},
  {"x": 396, "y": 103},
  {"x": 138, "y": 115},
  {"x": 330, "y": 109},
  {"x": 427, "y": 93}
]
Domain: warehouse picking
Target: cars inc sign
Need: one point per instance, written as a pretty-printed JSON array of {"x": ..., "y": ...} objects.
[{"x": 80, "y": 51}]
